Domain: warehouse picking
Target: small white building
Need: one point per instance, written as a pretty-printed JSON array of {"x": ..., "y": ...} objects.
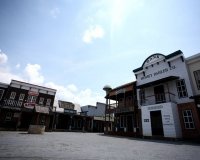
[{"x": 162, "y": 85}]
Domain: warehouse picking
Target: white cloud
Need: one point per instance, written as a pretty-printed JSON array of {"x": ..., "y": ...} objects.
[
  {"x": 55, "y": 12},
  {"x": 69, "y": 92},
  {"x": 32, "y": 72},
  {"x": 3, "y": 58},
  {"x": 83, "y": 97},
  {"x": 6, "y": 76},
  {"x": 93, "y": 32}
]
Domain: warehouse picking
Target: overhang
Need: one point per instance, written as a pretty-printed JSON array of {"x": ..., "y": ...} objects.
[{"x": 156, "y": 82}]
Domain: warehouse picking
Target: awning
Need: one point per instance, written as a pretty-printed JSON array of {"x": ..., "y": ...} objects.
[
  {"x": 40, "y": 109},
  {"x": 156, "y": 82}
]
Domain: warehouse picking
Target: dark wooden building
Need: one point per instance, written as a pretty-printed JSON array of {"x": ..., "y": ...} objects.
[
  {"x": 23, "y": 104},
  {"x": 70, "y": 120},
  {"x": 122, "y": 102}
]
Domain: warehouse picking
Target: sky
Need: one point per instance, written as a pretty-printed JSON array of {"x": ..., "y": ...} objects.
[{"x": 79, "y": 46}]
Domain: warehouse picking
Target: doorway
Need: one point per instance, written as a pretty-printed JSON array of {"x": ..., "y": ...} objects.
[
  {"x": 129, "y": 123},
  {"x": 159, "y": 94},
  {"x": 156, "y": 123}
]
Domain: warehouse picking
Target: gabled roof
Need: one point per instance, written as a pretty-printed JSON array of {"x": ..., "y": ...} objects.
[{"x": 174, "y": 54}]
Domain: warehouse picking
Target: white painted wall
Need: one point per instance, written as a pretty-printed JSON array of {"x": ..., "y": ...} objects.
[
  {"x": 193, "y": 64},
  {"x": 179, "y": 70},
  {"x": 171, "y": 123}
]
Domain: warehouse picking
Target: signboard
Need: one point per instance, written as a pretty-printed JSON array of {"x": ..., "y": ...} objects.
[
  {"x": 70, "y": 111},
  {"x": 66, "y": 105},
  {"x": 32, "y": 93},
  {"x": 29, "y": 105},
  {"x": 153, "y": 58}
]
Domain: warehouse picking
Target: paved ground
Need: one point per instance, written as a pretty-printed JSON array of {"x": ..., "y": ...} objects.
[{"x": 91, "y": 146}]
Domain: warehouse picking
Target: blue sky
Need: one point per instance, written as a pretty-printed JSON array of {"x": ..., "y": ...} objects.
[{"x": 78, "y": 46}]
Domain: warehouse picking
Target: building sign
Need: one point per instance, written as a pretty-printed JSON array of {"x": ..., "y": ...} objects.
[
  {"x": 146, "y": 120},
  {"x": 158, "y": 72},
  {"x": 66, "y": 105},
  {"x": 153, "y": 58},
  {"x": 70, "y": 111},
  {"x": 29, "y": 105},
  {"x": 155, "y": 107},
  {"x": 167, "y": 119},
  {"x": 32, "y": 93}
]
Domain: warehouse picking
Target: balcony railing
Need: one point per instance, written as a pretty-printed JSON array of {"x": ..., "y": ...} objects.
[
  {"x": 158, "y": 98},
  {"x": 116, "y": 108},
  {"x": 11, "y": 103}
]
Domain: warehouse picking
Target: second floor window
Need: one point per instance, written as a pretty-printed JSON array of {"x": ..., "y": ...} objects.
[
  {"x": 31, "y": 99},
  {"x": 12, "y": 95},
  {"x": 41, "y": 101},
  {"x": 181, "y": 88},
  {"x": 21, "y": 97},
  {"x": 197, "y": 78},
  {"x": 1, "y": 93},
  {"x": 122, "y": 121},
  {"x": 142, "y": 96},
  {"x": 48, "y": 102}
]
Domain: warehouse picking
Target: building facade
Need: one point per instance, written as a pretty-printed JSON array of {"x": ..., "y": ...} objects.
[
  {"x": 193, "y": 64},
  {"x": 163, "y": 91},
  {"x": 97, "y": 113},
  {"x": 70, "y": 120},
  {"x": 23, "y": 104},
  {"x": 122, "y": 102}
]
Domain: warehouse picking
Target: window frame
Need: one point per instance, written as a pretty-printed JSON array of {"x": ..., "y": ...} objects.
[
  {"x": 122, "y": 121},
  {"x": 12, "y": 95},
  {"x": 197, "y": 78},
  {"x": 180, "y": 88},
  {"x": 41, "y": 101},
  {"x": 48, "y": 102},
  {"x": 1, "y": 93},
  {"x": 21, "y": 97},
  {"x": 31, "y": 99},
  {"x": 190, "y": 119},
  {"x": 142, "y": 96}
]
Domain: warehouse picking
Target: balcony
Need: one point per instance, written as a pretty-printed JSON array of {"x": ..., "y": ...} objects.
[
  {"x": 158, "y": 98},
  {"x": 119, "y": 108},
  {"x": 11, "y": 103}
]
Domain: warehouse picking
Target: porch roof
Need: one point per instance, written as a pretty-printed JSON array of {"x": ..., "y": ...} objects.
[{"x": 156, "y": 82}]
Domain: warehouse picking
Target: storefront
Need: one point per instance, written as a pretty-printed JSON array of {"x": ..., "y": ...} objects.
[{"x": 162, "y": 86}]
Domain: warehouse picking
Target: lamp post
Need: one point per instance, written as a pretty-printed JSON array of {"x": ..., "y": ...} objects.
[{"x": 107, "y": 89}]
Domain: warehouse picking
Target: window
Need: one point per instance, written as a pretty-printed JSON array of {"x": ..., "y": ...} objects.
[
  {"x": 21, "y": 97},
  {"x": 188, "y": 119},
  {"x": 1, "y": 93},
  {"x": 31, "y": 99},
  {"x": 181, "y": 88},
  {"x": 197, "y": 78},
  {"x": 12, "y": 95},
  {"x": 41, "y": 101},
  {"x": 122, "y": 121},
  {"x": 8, "y": 116},
  {"x": 142, "y": 96},
  {"x": 48, "y": 102}
]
